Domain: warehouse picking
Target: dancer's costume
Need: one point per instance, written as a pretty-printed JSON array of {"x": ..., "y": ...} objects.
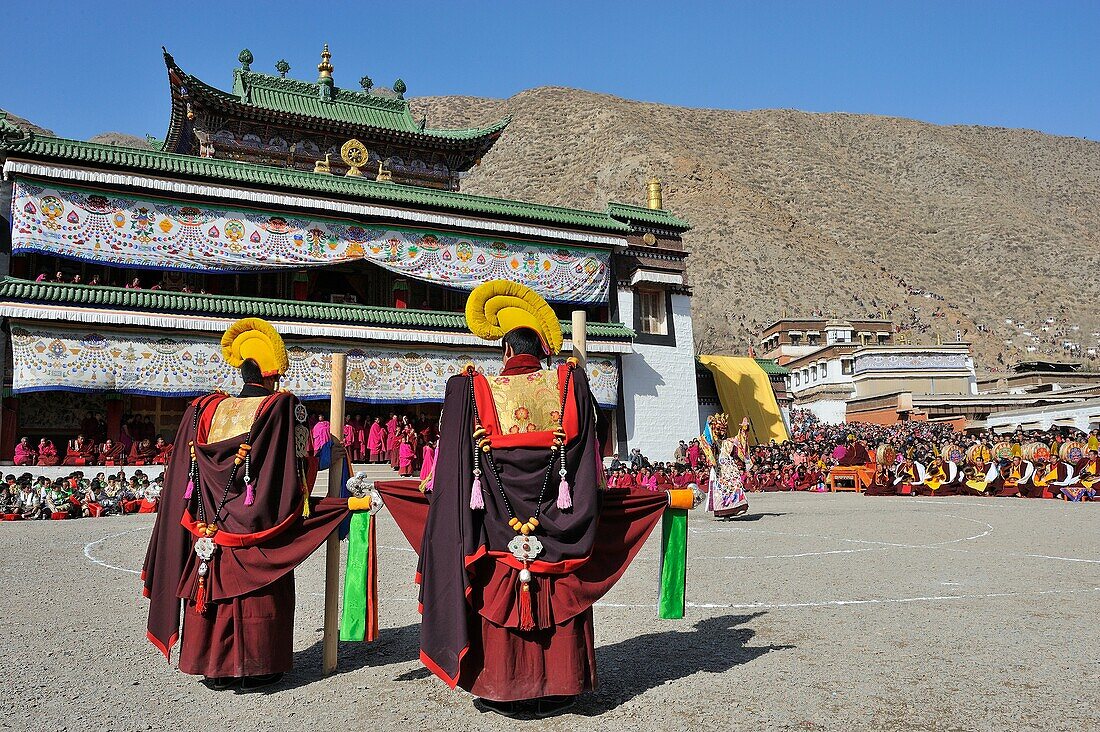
[
  {"x": 235, "y": 520},
  {"x": 517, "y": 536},
  {"x": 727, "y": 458}
]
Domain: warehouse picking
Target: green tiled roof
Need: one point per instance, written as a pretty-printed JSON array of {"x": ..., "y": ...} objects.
[
  {"x": 229, "y": 306},
  {"x": 642, "y": 215},
  {"x": 358, "y": 189},
  {"x": 345, "y": 107},
  {"x": 771, "y": 368},
  {"x": 291, "y": 96}
]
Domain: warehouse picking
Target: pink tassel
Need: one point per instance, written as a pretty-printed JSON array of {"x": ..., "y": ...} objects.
[
  {"x": 189, "y": 491},
  {"x": 477, "y": 501},
  {"x": 249, "y": 494},
  {"x": 564, "y": 499}
]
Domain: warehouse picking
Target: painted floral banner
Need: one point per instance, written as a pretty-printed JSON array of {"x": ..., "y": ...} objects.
[
  {"x": 63, "y": 359},
  {"x": 155, "y": 233}
]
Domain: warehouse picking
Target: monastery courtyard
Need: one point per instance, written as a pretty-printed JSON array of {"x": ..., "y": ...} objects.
[{"x": 815, "y": 612}]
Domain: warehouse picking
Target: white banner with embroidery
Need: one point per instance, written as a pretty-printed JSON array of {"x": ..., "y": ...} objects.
[
  {"x": 155, "y": 233},
  {"x": 63, "y": 359}
]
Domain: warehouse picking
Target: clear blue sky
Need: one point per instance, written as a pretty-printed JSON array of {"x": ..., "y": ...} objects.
[{"x": 81, "y": 68}]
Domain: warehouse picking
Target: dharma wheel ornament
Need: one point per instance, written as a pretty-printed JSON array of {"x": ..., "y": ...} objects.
[
  {"x": 355, "y": 154},
  {"x": 282, "y": 67}
]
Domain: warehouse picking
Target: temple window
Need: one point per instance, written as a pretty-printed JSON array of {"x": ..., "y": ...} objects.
[{"x": 652, "y": 312}]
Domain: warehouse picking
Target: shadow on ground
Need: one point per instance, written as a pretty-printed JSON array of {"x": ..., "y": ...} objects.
[
  {"x": 636, "y": 665},
  {"x": 394, "y": 645},
  {"x": 625, "y": 669},
  {"x": 752, "y": 517}
]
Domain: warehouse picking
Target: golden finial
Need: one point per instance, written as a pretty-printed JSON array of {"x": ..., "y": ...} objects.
[
  {"x": 324, "y": 69},
  {"x": 323, "y": 166},
  {"x": 653, "y": 187},
  {"x": 384, "y": 176},
  {"x": 355, "y": 155}
]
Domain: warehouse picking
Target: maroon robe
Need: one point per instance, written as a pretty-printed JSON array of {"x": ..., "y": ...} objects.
[
  {"x": 80, "y": 453},
  {"x": 470, "y": 598},
  {"x": 882, "y": 484},
  {"x": 142, "y": 454},
  {"x": 854, "y": 455},
  {"x": 47, "y": 454},
  {"x": 246, "y": 629}
]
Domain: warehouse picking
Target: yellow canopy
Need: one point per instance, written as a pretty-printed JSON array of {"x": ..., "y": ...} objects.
[{"x": 745, "y": 391}]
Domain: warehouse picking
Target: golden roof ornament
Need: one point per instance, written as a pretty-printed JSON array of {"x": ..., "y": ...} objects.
[
  {"x": 323, "y": 166},
  {"x": 324, "y": 69},
  {"x": 384, "y": 176},
  {"x": 355, "y": 154},
  {"x": 653, "y": 188}
]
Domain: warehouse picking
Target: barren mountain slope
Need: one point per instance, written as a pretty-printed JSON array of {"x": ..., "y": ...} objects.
[{"x": 943, "y": 228}]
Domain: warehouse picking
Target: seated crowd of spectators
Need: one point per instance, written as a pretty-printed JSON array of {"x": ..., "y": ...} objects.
[
  {"x": 815, "y": 448},
  {"x": 76, "y": 496}
]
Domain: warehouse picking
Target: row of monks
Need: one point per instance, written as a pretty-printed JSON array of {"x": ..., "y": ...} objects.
[
  {"x": 83, "y": 451},
  {"x": 1034, "y": 470}
]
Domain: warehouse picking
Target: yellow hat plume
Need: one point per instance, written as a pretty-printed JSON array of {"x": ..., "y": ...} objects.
[
  {"x": 498, "y": 307},
  {"x": 256, "y": 339}
]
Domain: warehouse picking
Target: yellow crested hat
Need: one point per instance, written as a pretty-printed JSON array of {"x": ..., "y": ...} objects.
[
  {"x": 498, "y": 307},
  {"x": 256, "y": 339}
]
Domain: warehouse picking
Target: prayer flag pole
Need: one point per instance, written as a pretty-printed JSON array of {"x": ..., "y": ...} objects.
[
  {"x": 335, "y": 476},
  {"x": 580, "y": 337}
]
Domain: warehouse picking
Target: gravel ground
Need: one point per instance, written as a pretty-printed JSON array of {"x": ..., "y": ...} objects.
[{"x": 816, "y": 612}]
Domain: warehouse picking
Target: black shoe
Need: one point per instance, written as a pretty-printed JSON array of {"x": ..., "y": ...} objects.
[
  {"x": 550, "y": 706},
  {"x": 507, "y": 709},
  {"x": 221, "y": 683},
  {"x": 250, "y": 683}
]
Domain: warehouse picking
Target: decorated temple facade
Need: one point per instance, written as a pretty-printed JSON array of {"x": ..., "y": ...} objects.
[{"x": 336, "y": 216}]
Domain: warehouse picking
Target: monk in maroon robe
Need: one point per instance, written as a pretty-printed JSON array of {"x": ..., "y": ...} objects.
[
  {"x": 517, "y": 632},
  {"x": 882, "y": 484},
  {"x": 81, "y": 451},
  {"x": 24, "y": 452},
  {"x": 47, "y": 453},
  {"x": 142, "y": 452},
  {"x": 244, "y": 493},
  {"x": 163, "y": 452},
  {"x": 855, "y": 454}
]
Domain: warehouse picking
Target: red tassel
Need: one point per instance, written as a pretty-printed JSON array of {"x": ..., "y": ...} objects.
[
  {"x": 526, "y": 614},
  {"x": 200, "y": 597}
]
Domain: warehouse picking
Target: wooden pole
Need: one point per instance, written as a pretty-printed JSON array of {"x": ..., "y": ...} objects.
[
  {"x": 332, "y": 550},
  {"x": 580, "y": 337}
]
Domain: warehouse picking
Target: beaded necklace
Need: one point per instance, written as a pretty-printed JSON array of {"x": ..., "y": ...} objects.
[
  {"x": 205, "y": 548},
  {"x": 483, "y": 445}
]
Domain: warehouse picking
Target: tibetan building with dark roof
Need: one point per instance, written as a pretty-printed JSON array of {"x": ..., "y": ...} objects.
[{"x": 335, "y": 215}]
